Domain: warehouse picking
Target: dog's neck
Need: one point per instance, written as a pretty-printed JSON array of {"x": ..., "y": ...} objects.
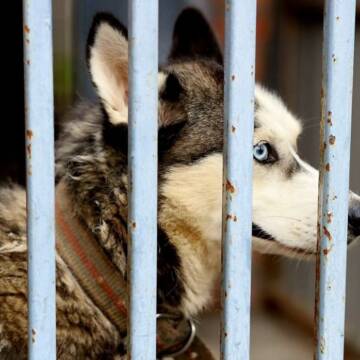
[
  {"x": 103, "y": 210},
  {"x": 103, "y": 283}
]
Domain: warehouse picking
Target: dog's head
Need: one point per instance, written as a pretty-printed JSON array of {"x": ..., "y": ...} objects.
[
  {"x": 191, "y": 141},
  {"x": 191, "y": 137}
]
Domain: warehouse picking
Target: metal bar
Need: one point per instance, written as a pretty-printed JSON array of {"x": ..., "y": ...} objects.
[
  {"x": 338, "y": 58},
  {"x": 40, "y": 178},
  {"x": 240, "y": 28},
  {"x": 142, "y": 223}
]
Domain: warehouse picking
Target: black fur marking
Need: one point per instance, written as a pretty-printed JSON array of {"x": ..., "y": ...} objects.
[
  {"x": 115, "y": 136},
  {"x": 170, "y": 286},
  {"x": 172, "y": 89},
  {"x": 258, "y": 232},
  {"x": 168, "y": 135},
  {"x": 193, "y": 37},
  {"x": 101, "y": 18}
]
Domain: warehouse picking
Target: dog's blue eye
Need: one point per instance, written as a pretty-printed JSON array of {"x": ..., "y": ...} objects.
[{"x": 261, "y": 152}]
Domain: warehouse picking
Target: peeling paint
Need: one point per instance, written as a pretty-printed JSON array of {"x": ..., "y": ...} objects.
[
  {"x": 322, "y": 345},
  {"x": 332, "y": 139},
  {"x": 29, "y": 134},
  {"x": 229, "y": 187},
  {"x": 329, "y": 217},
  {"x": 231, "y": 217},
  {"x": 33, "y": 335},
  {"x": 329, "y": 118},
  {"x": 327, "y": 233},
  {"x": 28, "y": 150}
]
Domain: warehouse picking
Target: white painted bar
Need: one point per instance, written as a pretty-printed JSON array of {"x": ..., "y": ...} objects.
[
  {"x": 142, "y": 223},
  {"x": 38, "y": 62},
  {"x": 338, "y": 59},
  {"x": 240, "y": 31}
]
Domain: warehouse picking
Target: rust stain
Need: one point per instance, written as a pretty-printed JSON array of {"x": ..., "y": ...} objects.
[
  {"x": 26, "y": 29},
  {"x": 327, "y": 167},
  {"x": 33, "y": 335},
  {"x": 229, "y": 187},
  {"x": 322, "y": 345},
  {"x": 29, "y": 134},
  {"x": 326, "y": 251},
  {"x": 231, "y": 217},
  {"x": 327, "y": 233},
  {"x": 28, "y": 150},
  {"x": 233, "y": 129},
  {"x": 332, "y": 139},
  {"x": 329, "y": 217},
  {"x": 329, "y": 121}
]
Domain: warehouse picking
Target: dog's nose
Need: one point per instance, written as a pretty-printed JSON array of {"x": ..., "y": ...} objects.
[{"x": 354, "y": 219}]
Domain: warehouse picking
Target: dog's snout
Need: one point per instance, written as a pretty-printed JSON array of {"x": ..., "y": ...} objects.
[{"x": 354, "y": 219}]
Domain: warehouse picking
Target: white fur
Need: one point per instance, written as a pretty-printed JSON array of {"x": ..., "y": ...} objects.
[
  {"x": 109, "y": 70},
  {"x": 284, "y": 206}
]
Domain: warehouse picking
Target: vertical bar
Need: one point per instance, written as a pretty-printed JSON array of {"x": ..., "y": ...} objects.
[
  {"x": 338, "y": 58},
  {"x": 40, "y": 178},
  {"x": 240, "y": 28},
  {"x": 142, "y": 223}
]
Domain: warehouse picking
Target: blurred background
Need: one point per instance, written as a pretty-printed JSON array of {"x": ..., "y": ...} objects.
[{"x": 289, "y": 48}]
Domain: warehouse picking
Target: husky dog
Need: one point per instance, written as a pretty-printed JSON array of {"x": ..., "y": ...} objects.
[{"x": 92, "y": 166}]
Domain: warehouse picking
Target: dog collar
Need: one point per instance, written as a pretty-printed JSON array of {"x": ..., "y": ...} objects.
[{"x": 103, "y": 282}]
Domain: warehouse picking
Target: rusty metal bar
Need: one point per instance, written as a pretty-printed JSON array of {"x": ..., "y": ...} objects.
[
  {"x": 142, "y": 223},
  {"x": 338, "y": 58},
  {"x": 38, "y": 62},
  {"x": 240, "y": 28}
]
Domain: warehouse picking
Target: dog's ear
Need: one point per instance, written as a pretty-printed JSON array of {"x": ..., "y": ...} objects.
[
  {"x": 107, "y": 58},
  {"x": 193, "y": 37}
]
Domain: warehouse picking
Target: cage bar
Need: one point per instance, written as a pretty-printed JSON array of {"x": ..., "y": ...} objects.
[
  {"x": 39, "y": 109},
  {"x": 240, "y": 31},
  {"x": 338, "y": 59},
  {"x": 142, "y": 222}
]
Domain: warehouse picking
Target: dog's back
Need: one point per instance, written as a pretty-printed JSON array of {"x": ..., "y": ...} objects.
[
  {"x": 13, "y": 272},
  {"x": 83, "y": 332}
]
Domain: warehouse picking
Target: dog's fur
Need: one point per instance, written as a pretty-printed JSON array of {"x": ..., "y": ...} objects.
[{"x": 92, "y": 159}]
